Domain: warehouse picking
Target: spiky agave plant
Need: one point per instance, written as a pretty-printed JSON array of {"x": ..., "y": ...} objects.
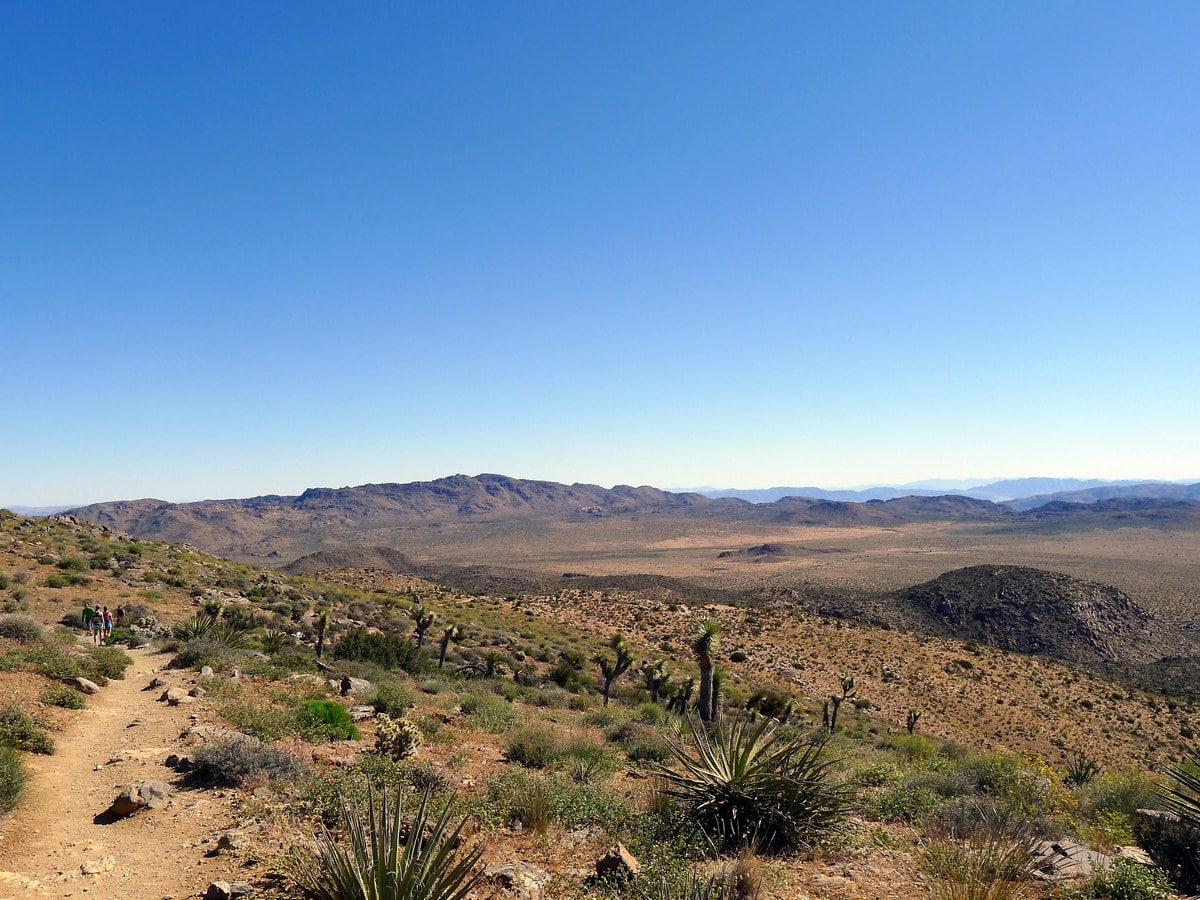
[
  {"x": 747, "y": 783},
  {"x": 384, "y": 857}
]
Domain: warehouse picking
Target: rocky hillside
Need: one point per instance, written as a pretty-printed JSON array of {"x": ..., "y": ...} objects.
[{"x": 1041, "y": 613}]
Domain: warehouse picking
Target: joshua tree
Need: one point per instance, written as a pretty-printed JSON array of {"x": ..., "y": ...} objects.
[
  {"x": 771, "y": 705},
  {"x": 322, "y": 624},
  {"x": 848, "y": 691},
  {"x": 491, "y": 660},
  {"x": 718, "y": 681},
  {"x": 612, "y": 669},
  {"x": 423, "y": 620},
  {"x": 451, "y": 634},
  {"x": 704, "y": 646},
  {"x": 682, "y": 697},
  {"x": 655, "y": 676},
  {"x": 911, "y": 720}
]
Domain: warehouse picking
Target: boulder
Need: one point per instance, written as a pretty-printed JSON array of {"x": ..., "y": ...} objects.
[
  {"x": 526, "y": 881},
  {"x": 358, "y": 713},
  {"x": 175, "y": 696},
  {"x": 228, "y": 890},
  {"x": 197, "y": 691},
  {"x": 206, "y": 672},
  {"x": 618, "y": 861},
  {"x": 83, "y": 685},
  {"x": 145, "y": 795},
  {"x": 1066, "y": 860},
  {"x": 357, "y": 686}
]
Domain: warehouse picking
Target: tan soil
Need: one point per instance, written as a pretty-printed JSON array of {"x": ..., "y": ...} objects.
[{"x": 121, "y": 739}]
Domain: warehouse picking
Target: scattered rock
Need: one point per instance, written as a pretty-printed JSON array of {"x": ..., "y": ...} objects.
[
  {"x": 618, "y": 861},
  {"x": 83, "y": 685},
  {"x": 230, "y": 840},
  {"x": 96, "y": 866},
  {"x": 1134, "y": 854},
  {"x": 228, "y": 890},
  {"x": 206, "y": 672},
  {"x": 525, "y": 880},
  {"x": 155, "y": 683},
  {"x": 357, "y": 685},
  {"x": 179, "y": 763},
  {"x": 358, "y": 713},
  {"x": 175, "y": 696},
  {"x": 146, "y": 795},
  {"x": 197, "y": 691}
]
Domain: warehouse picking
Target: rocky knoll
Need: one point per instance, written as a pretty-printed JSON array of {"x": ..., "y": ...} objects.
[{"x": 1036, "y": 612}]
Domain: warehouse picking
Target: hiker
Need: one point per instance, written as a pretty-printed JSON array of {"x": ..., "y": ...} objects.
[
  {"x": 88, "y": 614},
  {"x": 108, "y": 623}
]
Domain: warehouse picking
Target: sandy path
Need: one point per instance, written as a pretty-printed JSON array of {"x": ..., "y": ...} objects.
[{"x": 121, "y": 739}]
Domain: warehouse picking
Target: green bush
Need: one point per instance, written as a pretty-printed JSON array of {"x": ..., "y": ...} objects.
[
  {"x": 60, "y": 695},
  {"x": 326, "y": 720},
  {"x": 391, "y": 651},
  {"x": 1125, "y": 880},
  {"x": 19, "y": 731},
  {"x": 745, "y": 782},
  {"x": 12, "y": 778},
  {"x": 242, "y": 762},
  {"x": 264, "y": 723},
  {"x": 24, "y": 629},
  {"x": 109, "y": 662},
  {"x": 374, "y": 857}
]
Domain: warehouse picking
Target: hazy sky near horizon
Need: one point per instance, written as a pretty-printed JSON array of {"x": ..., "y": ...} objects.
[{"x": 252, "y": 248}]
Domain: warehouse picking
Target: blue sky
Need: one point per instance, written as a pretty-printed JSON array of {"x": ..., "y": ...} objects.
[{"x": 254, "y": 248}]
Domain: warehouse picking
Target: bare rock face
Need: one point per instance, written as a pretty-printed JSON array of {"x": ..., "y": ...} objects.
[{"x": 146, "y": 795}]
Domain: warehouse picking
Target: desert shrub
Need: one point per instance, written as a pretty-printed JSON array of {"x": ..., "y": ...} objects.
[
  {"x": 1123, "y": 792},
  {"x": 264, "y": 723},
  {"x": 535, "y": 747},
  {"x": 60, "y": 695},
  {"x": 322, "y": 794},
  {"x": 1173, "y": 838},
  {"x": 19, "y": 731},
  {"x": 374, "y": 855},
  {"x": 487, "y": 711},
  {"x": 587, "y": 761},
  {"x": 326, "y": 720},
  {"x": 640, "y": 742},
  {"x": 12, "y": 778},
  {"x": 391, "y": 651},
  {"x": 912, "y": 746},
  {"x": 24, "y": 629},
  {"x": 200, "y": 652},
  {"x": 425, "y": 779},
  {"x": 538, "y": 801},
  {"x": 745, "y": 782},
  {"x": 1124, "y": 880},
  {"x": 904, "y": 803},
  {"x": 110, "y": 662},
  {"x": 242, "y": 762},
  {"x": 392, "y": 698}
]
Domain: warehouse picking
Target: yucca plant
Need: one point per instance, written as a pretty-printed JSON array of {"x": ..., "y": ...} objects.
[
  {"x": 1183, "y": 797},
  {"x": 273, "y": 640},
  {"x": 984, "y": 853},
  {"x": 747, "y": 784},
  {"x": 385, "y": 857},
  {"x": 212, "y": 630},
  {"x": 197, "y": 626}
]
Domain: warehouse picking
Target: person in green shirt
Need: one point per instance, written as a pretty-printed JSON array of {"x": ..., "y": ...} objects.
[{"x": 89, "y": 613}]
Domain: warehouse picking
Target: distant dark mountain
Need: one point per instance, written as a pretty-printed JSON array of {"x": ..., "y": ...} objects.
[
  {"x": 802, "y": 511},
  {"x": 1153, "y": 490},
  {"x": 1031, "y": 611}
]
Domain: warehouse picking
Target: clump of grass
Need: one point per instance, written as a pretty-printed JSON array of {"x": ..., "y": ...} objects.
[
  {"x": 490, "y": 712},
  {"x": 535, "y": 747},
  {"x": 392, "y": 698}
]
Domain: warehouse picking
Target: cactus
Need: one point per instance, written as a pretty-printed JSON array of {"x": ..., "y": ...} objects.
[{"x": 397, "y": 738}]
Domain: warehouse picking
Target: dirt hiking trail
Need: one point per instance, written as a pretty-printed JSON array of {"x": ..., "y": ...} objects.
[{"x": 55, "y": 845}]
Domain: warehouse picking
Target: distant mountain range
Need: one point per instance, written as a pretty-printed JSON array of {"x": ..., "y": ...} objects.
[
  {"x": 382, "y": 515},
  {"x": 1021, "y": 490}
]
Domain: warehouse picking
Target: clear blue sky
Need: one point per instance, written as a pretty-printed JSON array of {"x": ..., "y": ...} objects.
[{"x": 251, "y": 248}]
